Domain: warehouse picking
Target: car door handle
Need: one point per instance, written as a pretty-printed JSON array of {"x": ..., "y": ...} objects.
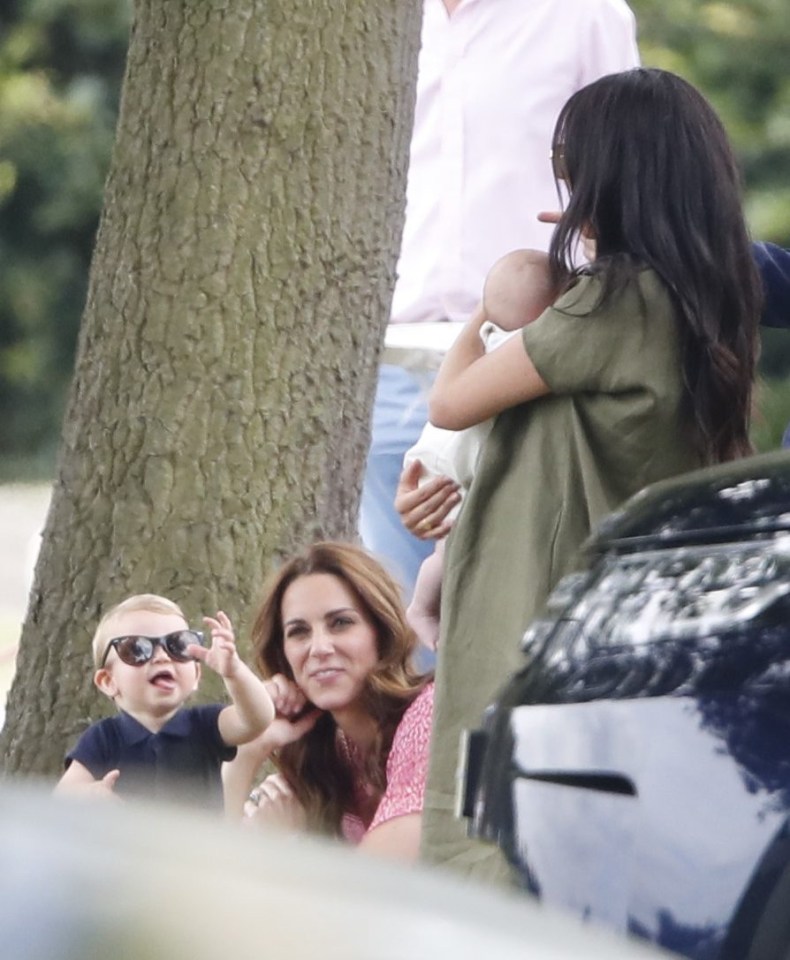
[{"x": 602, "y": 781}]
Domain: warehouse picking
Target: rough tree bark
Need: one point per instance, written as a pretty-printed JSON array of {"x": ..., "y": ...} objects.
[{"x": 239, "y": 290}]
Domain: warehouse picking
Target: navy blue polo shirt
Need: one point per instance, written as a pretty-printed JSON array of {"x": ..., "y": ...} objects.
[{"x": 179, "y": 763}]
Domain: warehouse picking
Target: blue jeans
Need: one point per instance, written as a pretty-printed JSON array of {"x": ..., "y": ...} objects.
[{"x": 399, "y": 414}]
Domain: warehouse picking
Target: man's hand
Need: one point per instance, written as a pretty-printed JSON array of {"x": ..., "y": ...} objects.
[
  {"x": 588, "y": 240},
  {"x": 549, "y": 216}
]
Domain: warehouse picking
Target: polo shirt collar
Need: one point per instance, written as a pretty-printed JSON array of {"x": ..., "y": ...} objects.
[{"x": 134, "y": 732}]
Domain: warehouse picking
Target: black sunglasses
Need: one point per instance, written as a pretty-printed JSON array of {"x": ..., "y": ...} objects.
[{"x": 135, "y": 651}]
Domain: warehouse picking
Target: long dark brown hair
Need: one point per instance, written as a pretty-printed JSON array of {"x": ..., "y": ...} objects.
[
  {"x": 317, "y": 772},
  {"x": 651, "y": 175}
]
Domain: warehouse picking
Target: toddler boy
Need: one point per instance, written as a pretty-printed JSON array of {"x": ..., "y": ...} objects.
[{"x": 148, "y": 661}]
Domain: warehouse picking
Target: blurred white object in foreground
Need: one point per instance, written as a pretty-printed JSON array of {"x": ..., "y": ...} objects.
[{"x": 92, "y": 879}]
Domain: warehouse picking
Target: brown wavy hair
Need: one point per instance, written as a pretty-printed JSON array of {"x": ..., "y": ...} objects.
[{"x": 316, "y": 770}]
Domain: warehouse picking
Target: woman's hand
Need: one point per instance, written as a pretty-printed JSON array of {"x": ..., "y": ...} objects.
[
  {"x": 273, "y": 804},
  {"x": 288, "y": 726},
  {"x": 284, "y": 730},
  {"x": 290, "y": 722},
  {"x": 288, "y": 699},
  {"x": 423, "y": 509}
]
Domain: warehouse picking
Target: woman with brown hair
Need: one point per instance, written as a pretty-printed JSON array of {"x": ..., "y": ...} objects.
[{"x": 332, "y": 626}]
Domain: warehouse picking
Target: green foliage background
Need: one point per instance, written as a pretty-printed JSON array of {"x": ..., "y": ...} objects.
[{"x": 61, "y": 65}]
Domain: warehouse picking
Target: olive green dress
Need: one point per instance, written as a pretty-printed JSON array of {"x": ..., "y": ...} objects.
[{"x": 549, "y": 471}]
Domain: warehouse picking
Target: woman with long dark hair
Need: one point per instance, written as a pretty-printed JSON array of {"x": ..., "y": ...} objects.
[
  {"x": 332, "y": 624},
  {"x": 642, "y": 369}
]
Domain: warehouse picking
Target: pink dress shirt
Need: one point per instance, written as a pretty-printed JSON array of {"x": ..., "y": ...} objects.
[{"x": 492, "y": 79}]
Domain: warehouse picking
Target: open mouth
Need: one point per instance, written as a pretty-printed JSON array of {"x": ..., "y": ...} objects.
[{"x": 163, "y": 679}]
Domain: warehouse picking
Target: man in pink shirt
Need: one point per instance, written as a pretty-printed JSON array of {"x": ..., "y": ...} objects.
[{"x": 493, "y": 75}]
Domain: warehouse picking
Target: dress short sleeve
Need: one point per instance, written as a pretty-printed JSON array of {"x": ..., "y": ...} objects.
[
  {"x": 583, "y": 345},
  {"x": 407, "y": 764}
]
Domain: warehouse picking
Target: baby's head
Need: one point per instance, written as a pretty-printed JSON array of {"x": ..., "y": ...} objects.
[
  {"x": 136, "y": 615},
  {"x": 518, "y": 288},
  {"x": 140, "y": 675}
]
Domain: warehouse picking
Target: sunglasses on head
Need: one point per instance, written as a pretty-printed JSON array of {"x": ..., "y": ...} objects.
[
  {"x": 560, "y": 170},
  {"x": 135, "y": 651},
  {"x": 558, "y": 165}
]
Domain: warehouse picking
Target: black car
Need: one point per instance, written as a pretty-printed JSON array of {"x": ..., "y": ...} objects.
[{"x": 637, "y": 769}]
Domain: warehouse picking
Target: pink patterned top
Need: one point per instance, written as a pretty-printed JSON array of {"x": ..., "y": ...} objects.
[{"x": 407, "y": 770}]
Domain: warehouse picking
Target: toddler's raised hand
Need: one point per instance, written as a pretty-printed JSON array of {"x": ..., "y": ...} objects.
[{"x": 222, "y": 655}]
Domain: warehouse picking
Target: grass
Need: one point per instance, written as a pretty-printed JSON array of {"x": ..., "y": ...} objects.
[{"x": 28, "y": 468}]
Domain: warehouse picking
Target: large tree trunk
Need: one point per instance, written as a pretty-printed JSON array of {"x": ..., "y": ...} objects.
[{"x": 239, "y": 289}]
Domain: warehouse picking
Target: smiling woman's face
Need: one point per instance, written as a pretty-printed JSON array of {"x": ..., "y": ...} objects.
[{"x": 329, "y": 640}]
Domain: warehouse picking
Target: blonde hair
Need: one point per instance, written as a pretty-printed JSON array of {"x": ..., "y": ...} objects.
[{"x": 147, "y": 602}]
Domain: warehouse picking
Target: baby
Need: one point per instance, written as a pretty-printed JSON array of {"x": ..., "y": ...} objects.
[
  {"x": 148, "y": 661},
  {"x": 517, "y": 289}
]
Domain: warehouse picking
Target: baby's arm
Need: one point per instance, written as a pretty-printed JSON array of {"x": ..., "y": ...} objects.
[
  {"x": 423, "y": 611},
  {"x": 252, "y": 709},
  {"x": 79, "y": 781}
]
